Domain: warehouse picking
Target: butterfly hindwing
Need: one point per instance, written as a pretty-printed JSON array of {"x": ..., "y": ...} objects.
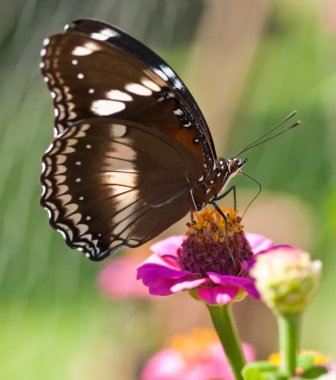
[{"x": 97, "y": 193}]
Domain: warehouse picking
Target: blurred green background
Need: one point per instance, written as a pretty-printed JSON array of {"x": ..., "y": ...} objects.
[{"x": 248, "y": 64}]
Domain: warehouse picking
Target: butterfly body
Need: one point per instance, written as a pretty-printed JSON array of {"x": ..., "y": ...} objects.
[{"x": 131, "y": 153}]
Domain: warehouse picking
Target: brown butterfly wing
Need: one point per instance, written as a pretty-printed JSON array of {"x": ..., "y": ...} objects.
[
  {"x": 103, "y": 81},
  {"x": 89, "y": 78}
]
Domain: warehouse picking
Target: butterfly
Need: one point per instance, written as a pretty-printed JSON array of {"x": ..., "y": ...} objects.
[{"x": 131, "y": 153}]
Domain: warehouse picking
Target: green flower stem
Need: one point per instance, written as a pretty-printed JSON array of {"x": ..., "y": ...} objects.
[
  {"x": 289, "y": 331},
  {"x": 226, "y": 330}
]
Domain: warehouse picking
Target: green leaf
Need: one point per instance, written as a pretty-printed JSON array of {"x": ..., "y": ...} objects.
[
  {"x": 261, "y": 370},
  {"x": 314, "y": 372},
  {"x": 305, "y": 361}
]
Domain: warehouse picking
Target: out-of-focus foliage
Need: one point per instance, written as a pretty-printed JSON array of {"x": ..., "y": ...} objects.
[{"x": 52, "y": 321}]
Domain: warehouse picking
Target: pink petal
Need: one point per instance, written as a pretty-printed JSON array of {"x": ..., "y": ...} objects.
[
  {"x": 155, "y": 259},
  {"x": 257, "y": 242},
  {"x": 243, "y": 283},
  {"x": 187, "y": 285},
  {"x": 219, "y": 295},
  {"x": 160, "y": 279},
  {"x": 285, "y": 247},
  {"x": 168, "y": 246}
]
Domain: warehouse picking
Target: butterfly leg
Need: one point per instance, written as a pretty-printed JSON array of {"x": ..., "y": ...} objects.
[
  {"x": 217, "y": 208},
  {"x": 233, "y": 189}
]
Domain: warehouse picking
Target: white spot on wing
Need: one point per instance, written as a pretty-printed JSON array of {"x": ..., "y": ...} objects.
[
  {"x": 62, "y": 233},
  {"x": 123, "y": 150},
  {"x": 121, "y": 179},
  {"x": 170, "y": 74},
  {"x": 104, "y": 34},
  {"x": 49, "y": 212},
  {"x": 161, "y": 74},
  {"x": 168, "y": 71},
  {"x": 106, "y": 107},
  {"x": 46, "y": 41},
  {"x": 119, "y": 95},
  {"x": 138, "y": 89},
  {"x": 91, "y": 90},
  {"x": 151, "y": 85},
  {"x": 43, "y": 52},
  {"x": 49, "y": 148},
  {"x": 74, "y": 62},
  {"x": 80, "y": 76},
  {"x": 41, "y": 65},
  {"x": 86, "y": 49},
  {"x": 119, "y": 130}
]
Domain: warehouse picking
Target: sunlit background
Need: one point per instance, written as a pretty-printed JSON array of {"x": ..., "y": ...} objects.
[{"x": 248, "y": 64}]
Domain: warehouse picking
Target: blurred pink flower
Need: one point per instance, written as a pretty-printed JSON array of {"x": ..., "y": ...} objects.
[
  {"x": 329, "y": 15},
  {"x": 195, "y": 356},
  {"x": 212, "y": 261},
  {"x": 117, "y": 279}
]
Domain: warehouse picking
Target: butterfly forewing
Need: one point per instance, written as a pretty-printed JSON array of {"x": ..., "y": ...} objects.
[
  {"x": 117, "y": 38},
  {"x": 88, "y": 78}
]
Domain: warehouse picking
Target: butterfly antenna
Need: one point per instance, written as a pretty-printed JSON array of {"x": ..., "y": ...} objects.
[
  {"x": 264, "y": 137},
  {"x": 255, "y": 197}
]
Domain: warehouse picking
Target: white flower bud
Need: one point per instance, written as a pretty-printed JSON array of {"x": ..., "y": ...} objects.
[{"x": 286, "y": 278}]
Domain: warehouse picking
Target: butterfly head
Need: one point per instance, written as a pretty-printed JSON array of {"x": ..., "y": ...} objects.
[{"x": 234, "y": 165}]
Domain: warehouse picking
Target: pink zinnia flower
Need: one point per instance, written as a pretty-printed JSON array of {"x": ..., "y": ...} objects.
[
  {"x": 195, "y": 356},
  {"x": 212, "y": 261}
]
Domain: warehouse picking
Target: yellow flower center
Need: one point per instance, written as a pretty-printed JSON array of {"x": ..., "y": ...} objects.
[
  {"x": 211, "y": 222},
  {"x": 214, "y": 244}
]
